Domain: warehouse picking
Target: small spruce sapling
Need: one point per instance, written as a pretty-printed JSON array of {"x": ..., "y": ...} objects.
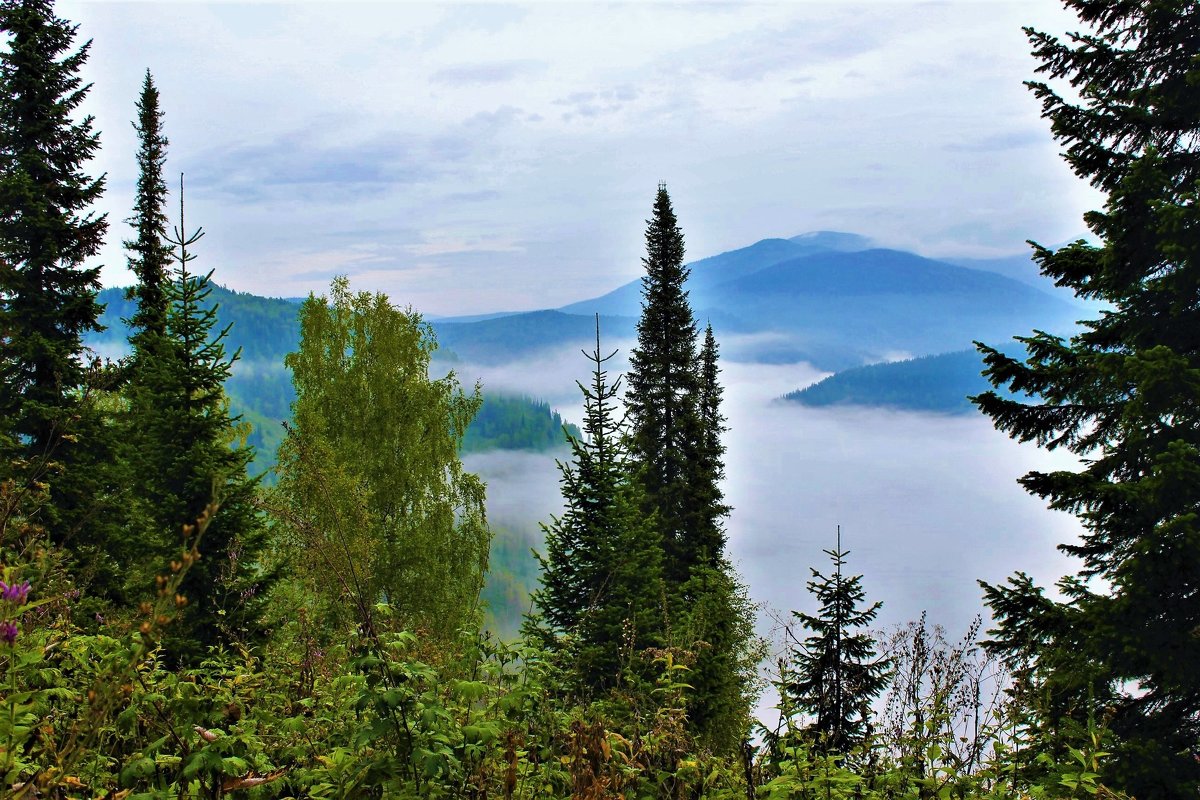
[{"x": 834, "y": 674}]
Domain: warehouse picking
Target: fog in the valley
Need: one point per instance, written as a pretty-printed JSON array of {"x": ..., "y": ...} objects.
[
  {"x": 522, "y": 488},
  {"x": 547, "y": 374},
  {"x": 928, "y": 504}
]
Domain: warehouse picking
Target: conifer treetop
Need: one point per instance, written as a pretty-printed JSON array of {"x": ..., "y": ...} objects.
[
  {"x": 835, "y": 672},
  {"x": 47, "y": 228},
  {"x": 149, "y": 252}
]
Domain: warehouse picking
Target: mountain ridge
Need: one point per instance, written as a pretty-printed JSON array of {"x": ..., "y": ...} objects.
[{"x": 831, "y": 298}]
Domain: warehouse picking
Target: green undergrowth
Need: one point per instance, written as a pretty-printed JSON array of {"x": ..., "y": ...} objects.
[{"x": 89, "y": 709}]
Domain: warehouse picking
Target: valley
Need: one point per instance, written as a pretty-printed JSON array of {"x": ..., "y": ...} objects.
[{"x": 807, "y": 319}]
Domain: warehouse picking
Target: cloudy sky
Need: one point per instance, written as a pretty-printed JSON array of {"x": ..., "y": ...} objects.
[{"x": 466, "y": 158}]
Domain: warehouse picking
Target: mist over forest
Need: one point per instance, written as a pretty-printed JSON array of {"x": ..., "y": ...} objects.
[{"x": 928, "y": 503}]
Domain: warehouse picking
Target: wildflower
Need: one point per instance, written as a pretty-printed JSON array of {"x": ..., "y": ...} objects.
[
  {"x": 14, "y": 592},
  {"x": 8, "y": 632}
]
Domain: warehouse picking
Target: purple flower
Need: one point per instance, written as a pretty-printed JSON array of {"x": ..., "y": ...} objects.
[
  {"x": 14, "y": 593},
  {"x": 8, "y": 632}
]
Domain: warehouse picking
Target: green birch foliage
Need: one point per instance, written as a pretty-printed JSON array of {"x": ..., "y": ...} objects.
[
  {"x": 47, "y": 296},
  {"x": 367, "y": 412},
  {"x": 835, "y": 673},
  {"x": 1121, "y": 646},
  {"x": 601, "y": 583}
]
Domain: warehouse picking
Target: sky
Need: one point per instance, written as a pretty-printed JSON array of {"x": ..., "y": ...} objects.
[{"x": 473, "y": 158}]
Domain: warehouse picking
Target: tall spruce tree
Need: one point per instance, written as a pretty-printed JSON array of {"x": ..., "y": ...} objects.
[
  {"x": 195, "y": 456},
  {"x": 663, "y": 398},
  {"x": 1121, "y": 646},
  {"x": 601, "y": 582},
  {"x": 150, "y": 388},
  {"x": 52, "y": 426},
  {"x": 708, "y": 469},
  {"x": 673, "y": 403},
  {"x": 149, "y": 251},
  {"x": 714, "y": 619},
  {"x": 835, "y": 673},
  {"x": 47, "y": 233}
]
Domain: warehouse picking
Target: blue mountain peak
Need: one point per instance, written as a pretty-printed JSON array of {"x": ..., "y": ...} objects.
[{"x": 834, "y": 240}]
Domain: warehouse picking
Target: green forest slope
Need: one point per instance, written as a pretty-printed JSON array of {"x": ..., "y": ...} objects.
[
  {"x": 939, "y": 383},
  {"x": 265, "y": 329}
]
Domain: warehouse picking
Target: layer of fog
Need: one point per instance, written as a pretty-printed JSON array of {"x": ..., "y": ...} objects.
[
  {"x": 548, "y": 374},
  {"x": 928, "y": 504}
]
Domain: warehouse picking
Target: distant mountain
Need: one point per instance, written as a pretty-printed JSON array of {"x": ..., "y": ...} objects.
[
  {"x": 830, "y": 298},
  {"x": 715, "y": 270},
  {"x": 1023, "y": 268},
  {"x": 437, "y": 320},
  {"x": 939, "y": 383},
  {"x": 516, "y": 422},
  {"x": 265, "y": 328},
  {"x": 1020, "y": 267},
  {"x": 836, "y": 301},
  {"x": 833, "y": 240},
  {"x": 842, "y": 309}
]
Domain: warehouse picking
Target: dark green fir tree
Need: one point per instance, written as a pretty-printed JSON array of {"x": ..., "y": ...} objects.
[
  {"x": 601, "y": 594},
  {"x": 149, "y": 251},
  {"x": 708, "y": 467},
  {"x": 150, "y": 539},
  {"x": 1120, "y": 648},
  {"x": 196, "y": 457},
  {"x": 53, "y": 394},
  {"x": 663, "y": 397},
  {"x": 717, "y": 627},
  {"x": 47, "y": 230},
  {"x": 673, "y": 401},
  {"x": 834, "y": 674}
]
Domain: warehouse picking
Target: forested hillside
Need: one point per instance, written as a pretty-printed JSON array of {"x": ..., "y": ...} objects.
[
  {"x": 264, "y": 330},
  {"x": 172, "y": 625},
  {"x": 941, "y": 383}
]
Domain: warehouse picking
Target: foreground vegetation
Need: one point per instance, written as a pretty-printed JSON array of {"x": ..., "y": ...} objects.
[
  {"x": 370, "y": 710},
  {"x": 171, "y": 627}
]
